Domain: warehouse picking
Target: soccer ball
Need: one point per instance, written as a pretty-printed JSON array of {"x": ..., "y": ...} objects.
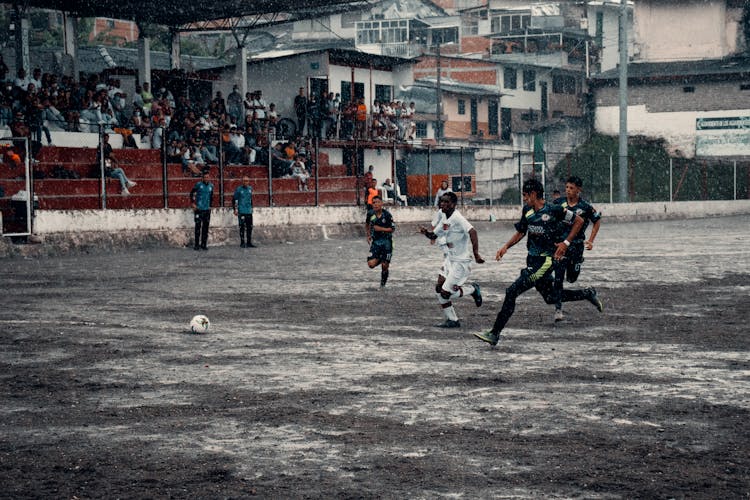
[{"x": 199, "y": 324}]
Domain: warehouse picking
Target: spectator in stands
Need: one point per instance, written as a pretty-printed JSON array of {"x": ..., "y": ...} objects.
[
  {"x": 53, "y": 118},
  {"x": 300, "y": 109},
  {"x": 388, "y": 191},
  {"x": 6, "y": 110},
  {"x": 35, "y": 116},
  {"x": 201, "y": 197},
  {"x": 372, "y": 192},
  {"x": 347, "y": 120},
  {"x": 234, "y": 106},
  {"x": 111, "y": 166},
  {"x": 217, "y": 106},
  {"x": 367, "y": 179},
  {"x": 360, "y": 118},
  {"x": 313, "y": 116},
  {"x": 148, "y": 98},
  {"x": 411, "y": 129},
  {"x": 327, "y": 115},
  {"x": 3, "y": 69},
  {"x": 280, "y": 166},
  {"x": 236, "y": 151},
  {"x": 36, "y": 78},
  {"x": 259, "y": 105},
  {"x": 188, "y": 161},
  {"x": 21, "y": 81},
  {"x": 273, "y": 118},
  {"x": 444, "y": 188},
  {"x": 300, "y": 173}
]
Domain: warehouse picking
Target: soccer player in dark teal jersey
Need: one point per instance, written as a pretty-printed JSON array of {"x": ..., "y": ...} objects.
[
  {"x": 201, "y": 197},
  {"x": 379, "y": 227},
  {"x": 570, "y": 266},
  {"x": 242, "y": 203},
  {"x": 540, "y": 221}
]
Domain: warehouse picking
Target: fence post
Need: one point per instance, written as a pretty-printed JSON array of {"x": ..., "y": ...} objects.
[
  {"x": 492, "y": 173},
  {"x": 165, "y": 188},
  {"x": 610, "y": 180},
  {"x": 520, "y": 177},
  {"x": 317, "y": 171},
  {"x": 463, "y": 185},
  {"x": 270, "y": 174},
  {"x": 671, "y": 167},
  {"x": 734, "y": 178},
  {"x": 429, "y": 176},
  {"x": 103, "y": 181}
]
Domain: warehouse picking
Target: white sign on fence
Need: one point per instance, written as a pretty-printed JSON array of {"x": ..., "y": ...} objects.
[{"x": 722, "y": 136}]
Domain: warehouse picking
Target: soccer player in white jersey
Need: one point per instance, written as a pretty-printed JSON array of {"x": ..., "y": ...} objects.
[{"x": 454, "y": 234}]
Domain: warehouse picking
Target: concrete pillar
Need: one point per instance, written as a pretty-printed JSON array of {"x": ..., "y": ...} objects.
[
  {"x": 144, "y": 59},
  {"x": 22, "y": 40},
  {"x": 174, "y": 55},
  {"x": 240, "y": 70},
  {"x": 70, "y": 46}
]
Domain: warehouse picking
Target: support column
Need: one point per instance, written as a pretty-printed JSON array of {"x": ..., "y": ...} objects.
[
  {"x": 22, "y": 40},
  {"x": 240, "y": 70},
  {"x": 144, "y": 58},
  {"x": 174, "y": 55},
  {"x": 70, "y": 46}
]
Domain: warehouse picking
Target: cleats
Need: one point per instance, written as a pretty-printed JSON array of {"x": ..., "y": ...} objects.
[
  {"x": 558, "y": 315},
  {"x": 449, "y": 323},
  {"x": 477, "y": 294},
  {"x": 489, "y": 337},
  {"x": 242, "y": 245},
  {"x": 594, "y": 299},
  {"x": 250, "y": 245}
]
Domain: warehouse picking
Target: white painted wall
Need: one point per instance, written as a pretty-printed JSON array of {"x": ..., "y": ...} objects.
[
  {"x": 49, "y": 222},
  {"x": 677, "y": 128},
  {"x": 668, "y": 30}
]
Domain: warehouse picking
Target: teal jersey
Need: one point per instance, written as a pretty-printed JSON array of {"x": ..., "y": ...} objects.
[
  {"x": 541, "y": 227},
  {"x": 584, "y": 210},
  {"x": 385, "y": 220},
  {"x": 202, "y": 194},
  {"x": 243, "y": 200}
]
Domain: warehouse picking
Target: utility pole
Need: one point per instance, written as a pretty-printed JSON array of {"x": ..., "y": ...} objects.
[
  {"x": 438, "y": 99},
  {"x": 623, "y": 146}
]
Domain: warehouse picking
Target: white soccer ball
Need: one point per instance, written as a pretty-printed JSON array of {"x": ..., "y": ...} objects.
[{"x": 199, "y": 324}]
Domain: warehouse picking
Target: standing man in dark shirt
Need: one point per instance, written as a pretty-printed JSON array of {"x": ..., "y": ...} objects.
[
  {"x": 379, "y": 227},
  {"x": 541, "y": 221},
  {"x": 300, "y": 108},
  {"x": 569, "y": 267},
  {"x": 201, "y": 197},
  {"x": 242, "y": 203}
]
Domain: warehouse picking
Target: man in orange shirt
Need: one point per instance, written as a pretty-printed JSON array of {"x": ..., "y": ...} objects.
[
  {"x": 360, "y": 118},
  {"x": 372, "y": 192}
]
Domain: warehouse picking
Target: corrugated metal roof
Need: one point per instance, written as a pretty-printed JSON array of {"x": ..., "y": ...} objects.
[{"x": 739, "y": 66}]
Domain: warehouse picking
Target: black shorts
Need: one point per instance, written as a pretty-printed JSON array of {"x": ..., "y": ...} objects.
[{"x": 381, "y": 250}]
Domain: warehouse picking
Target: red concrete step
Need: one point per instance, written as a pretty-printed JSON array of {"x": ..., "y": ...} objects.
[
  {"x": 66, "y": 155},
  {"x": 338, "y": 197},
  {"x": 294, "y": 199},
  {"x": 337, "y": 183},
  {"x": 332, "y": 171},
  {"x": 135, "y": 201},
  {"x": 252, "y": 171},
  {"x": 67, "y": 187},
  {"x": 69, "y": 202},
  {"x": 259, "y": 186}
]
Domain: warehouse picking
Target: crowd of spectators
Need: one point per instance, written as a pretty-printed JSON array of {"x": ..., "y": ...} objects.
[{"x": 192, "y": 134}]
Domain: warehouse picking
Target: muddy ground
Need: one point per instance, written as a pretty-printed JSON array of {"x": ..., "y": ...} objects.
[{"x": 314, "y": 383}]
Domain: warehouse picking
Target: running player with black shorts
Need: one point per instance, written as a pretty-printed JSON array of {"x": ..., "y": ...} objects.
[
  {"x": 540, "y": 220},
  {"x": 570, "y": 266},
  {"x": 379, "y": 227}
]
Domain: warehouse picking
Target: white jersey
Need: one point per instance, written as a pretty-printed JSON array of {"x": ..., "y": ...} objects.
[{"x": 453, "y": 236}]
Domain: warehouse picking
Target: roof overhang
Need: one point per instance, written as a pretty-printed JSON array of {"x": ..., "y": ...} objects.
[{"x": 179, "y": 12}]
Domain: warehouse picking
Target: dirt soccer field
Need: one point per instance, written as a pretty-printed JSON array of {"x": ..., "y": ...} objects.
[{"x": 314, "y": 383}]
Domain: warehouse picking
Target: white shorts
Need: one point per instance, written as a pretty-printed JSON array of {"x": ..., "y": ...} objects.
[{"x": 455, "y": 273}]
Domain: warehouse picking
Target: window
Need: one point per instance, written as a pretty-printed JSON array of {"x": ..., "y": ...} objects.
[
  {"x": 505, "y": 23},
  {"x": 346, "y": 90},
  {"x": 563, "y": 84},
  {"x": 383, "y": 93},
  {"x": 370, "y": 32},
  {"x": 422, "y": 129},
  {"x": 529, "y": 80},
  {"x": 469, "y": 26},
  {"x": 461, "y": 107},
  {"x": 509, "y": 78},
  {"x": 110, "y": 23}
]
